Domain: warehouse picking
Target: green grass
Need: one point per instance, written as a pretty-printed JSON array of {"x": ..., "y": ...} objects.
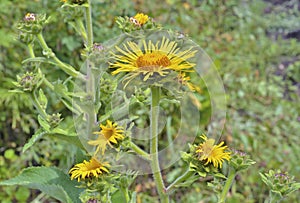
[{"x": 262, "y": 94}]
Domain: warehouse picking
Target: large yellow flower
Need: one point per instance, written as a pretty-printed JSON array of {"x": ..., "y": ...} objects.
[
  {"x": 88, "y": 169},
  {"x": 154, "y": 59},
  {"x": 211, "y": 153},
  {"x": 110, "y": 134}
]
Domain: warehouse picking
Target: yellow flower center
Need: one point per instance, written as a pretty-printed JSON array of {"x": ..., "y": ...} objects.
[
  {"x": 208, "y": 146},
  {"x": 150, "y": 61},
  {"x": 108, "y": 133},
  {"x": 141, "y": 18}
]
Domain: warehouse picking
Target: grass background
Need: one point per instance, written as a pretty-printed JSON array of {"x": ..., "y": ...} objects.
[{"x": 254, "y": 44}]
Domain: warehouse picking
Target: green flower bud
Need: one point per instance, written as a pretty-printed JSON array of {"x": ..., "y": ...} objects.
[
  {"x": 33, "y": 23},
  {"x": 28, "y": 81},
  {"x": 279, "y": 183},
  {"x": 240, "y": 160},
  {"x": 26, "y": 38},
  {"x": 54, "y": 120}
]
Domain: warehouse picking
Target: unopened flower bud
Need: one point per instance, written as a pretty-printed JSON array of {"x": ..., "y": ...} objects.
[{"x": 28, "y": 81}]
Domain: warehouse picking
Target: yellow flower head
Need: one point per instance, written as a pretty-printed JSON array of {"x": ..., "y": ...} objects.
[
  {"x": 211, "y": 153},
  {"x": 30, "y": 17},
  {"x": 154, "y": 59},
  {"x": 185, "y": 80},
  {"x": 110, "y": 134},
  {"x": 87, "y": 169},
  {"x": 141, "y": 19}
]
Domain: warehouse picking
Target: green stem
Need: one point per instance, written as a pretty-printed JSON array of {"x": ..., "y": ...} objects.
[
  {"x": 80, "y": 28},
  {"x": 90, "y": 82},
  {"x": 125, "y": 192},
  {"x": 139, "y": 151},
  {"x": 65, "y": 67},
  {"x": 155, "y": 96},
  {"x": 89, "y": 25},
  {"x": 47, "y": 83},
  {"x": 63, "y": 95},
  {"x": 38, "y": 106},
  {"x": 180, "y": 179},
  {"x": 30, "y": 49},
  {"x": 227, "y": 186}
]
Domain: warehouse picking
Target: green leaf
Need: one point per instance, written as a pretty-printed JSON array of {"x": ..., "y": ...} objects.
[
  {"x": 37, "y": 135},
  {"x": 69, "y": 105},
  {"x": 43, "y": 123},
  {"x": 118, "y": 197},
  {"x": 22, "y": 194},
  {"x": 52, "y": 181},
  {"x": 70, "y": 139},
  {"x": 188, "y": 182},
  {"x": 42, "y": 99}
]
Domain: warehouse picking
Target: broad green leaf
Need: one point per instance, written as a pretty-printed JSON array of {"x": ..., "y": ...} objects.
[
  {"x": 52, "y": 181},
  {"x": 37, "y": 135},
  {"x": 118, "y": 197},
  {"x": 70, "y": 139}
]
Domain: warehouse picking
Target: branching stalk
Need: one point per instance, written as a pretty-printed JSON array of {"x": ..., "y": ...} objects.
[
  {"x": 139, "y": 151},
  {"x": 65, "y": 67}
]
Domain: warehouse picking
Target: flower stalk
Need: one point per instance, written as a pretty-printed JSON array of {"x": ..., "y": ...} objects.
[
  {"x": 139, "y": 151},
  {"x": 89, "y": 25},
  {"x": 65, "y": 67},
  {"x": 227, "y": 185},
  {"x": 155, "y": 96},
  {"x": 38, "y": 106},
  {"x": 80, "y": 28},
  {"x": 30, "y": 49},
  {"x": 90, "y": 86}
]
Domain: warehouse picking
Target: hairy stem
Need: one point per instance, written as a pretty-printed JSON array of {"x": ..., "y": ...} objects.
[
  {"x": 65, "y": 67},
  {"x": 227, "y": 186},
  {"x": 90, "y": 82},
  {"x": 89, "y": 25},
  {"x": 155, "y": 96},
  {"x": 30, "y": 49},
  {"x": 80, "y": 28},
  {"x": 38, "y": 106},
  {"x": 139, "y": 151}
]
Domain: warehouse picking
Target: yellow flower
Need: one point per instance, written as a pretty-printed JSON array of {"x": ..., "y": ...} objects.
[
  {"x": 184, "y": 80},
  {"x": 154, "y": 59},
  {"x": 30, "y": 17},
  {"x": 109, "y": 134},
  {"x": 88, "y": 169},
  {"x": 211, "y": 153},
  {"x": 141, "y": 18}
]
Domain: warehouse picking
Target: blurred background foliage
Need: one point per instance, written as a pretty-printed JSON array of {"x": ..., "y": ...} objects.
[{"x": 254, "y": 44}]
